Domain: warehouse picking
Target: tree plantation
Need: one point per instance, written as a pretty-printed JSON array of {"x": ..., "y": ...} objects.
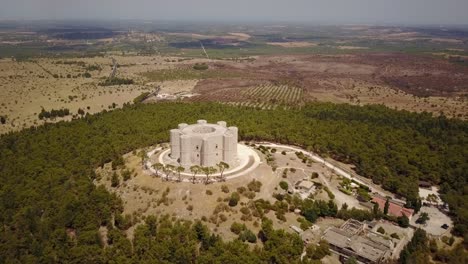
[{"x": 51, "y": 212}]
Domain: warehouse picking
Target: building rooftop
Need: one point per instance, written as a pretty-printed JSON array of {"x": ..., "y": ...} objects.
[
  {"x": 202, "y": 129},
  {"x": 305, "y": 185},
  {"x": 370, "y": 248},
  {"x": 394, "y": 208}
]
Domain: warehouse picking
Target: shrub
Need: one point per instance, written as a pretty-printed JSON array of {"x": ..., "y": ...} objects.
[
  {"x": 249, "y": 194},
  {"x": 200, "y": 66},
  {"x": 254, "y": 186},
  {"x": 237, "y": 228},
  {"x": 223, "y": 218},
  {"x": 284, "y": 185},
  {"x": 248, "y": 236},
  {"x": 422, "y": 219},
  {"x": 381, "y": 230},
  {"x": 315, "y": 175},
  {"x": 224, "y": 189},
  {"x": 126, "y": 175},
  {"x": 403, "y": 221},
  {"x": 190, "y": 207},
  {"x": 209, "y": 192},
  {"x": 234, "y": 199},
  {"x": 115, "y": 180},
  {"x": 53, "y": 113},
  {"x": 318, "y": 252},
  {"x": 241, "y": 190},
  {"x": 283, "y": 152},
  {"x": 395, "y": 235},
  {"x": 330, "y": 194},
  {"x": 245, "y": 210},
  {"x": 116, "y": 81},
  {"x": 141, "y": 98}
]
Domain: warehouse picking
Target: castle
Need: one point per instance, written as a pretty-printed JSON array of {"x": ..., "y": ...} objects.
[{"x": 204, "y": 144}]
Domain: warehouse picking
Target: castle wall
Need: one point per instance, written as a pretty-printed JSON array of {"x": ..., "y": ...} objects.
[
  {"x": 175, "y": 143},
  {"x": 185, "y": 150}
]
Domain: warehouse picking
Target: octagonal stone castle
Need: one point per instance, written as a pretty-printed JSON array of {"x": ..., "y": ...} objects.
[{"x": 204, "y": 144}]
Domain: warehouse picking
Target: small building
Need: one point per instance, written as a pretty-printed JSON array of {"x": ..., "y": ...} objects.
[
  {"x": 305, "y": 186},
  {"x": 394, "y": 208}
]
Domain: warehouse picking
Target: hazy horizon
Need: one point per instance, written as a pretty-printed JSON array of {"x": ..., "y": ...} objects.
[{"x": 411, "y": 12}]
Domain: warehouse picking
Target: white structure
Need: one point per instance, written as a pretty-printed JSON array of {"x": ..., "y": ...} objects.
[{"x": 204, "y": 144}]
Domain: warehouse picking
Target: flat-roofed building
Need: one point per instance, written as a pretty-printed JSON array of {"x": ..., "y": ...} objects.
[
  {"x": 351, "y": 239},
  {"x": 305, "y": 185}
]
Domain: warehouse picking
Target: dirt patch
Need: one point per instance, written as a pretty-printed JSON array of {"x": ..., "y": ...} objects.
[
  {"x": 352, "y": 48},
  {"x": 240, "y": 36},
  {"x": 293, "y": 44}
]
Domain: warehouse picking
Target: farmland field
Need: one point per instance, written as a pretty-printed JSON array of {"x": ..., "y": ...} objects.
[{"x": 266, "y": 95}]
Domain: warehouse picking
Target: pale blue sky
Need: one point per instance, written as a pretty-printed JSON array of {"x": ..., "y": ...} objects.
[{"x": 327, "y": 11}]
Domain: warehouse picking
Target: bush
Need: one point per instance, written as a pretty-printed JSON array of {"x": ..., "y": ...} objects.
[
  {"x": 330, "y": 194},
  {"x": 141, "y": 98},
  {"x": 284, "y": 185},
  {"x": 234, "y": 199},
  {"x": 422, "y": 219},
  {"x": 249, "y": 194},
  {"x": 116, "y": 81},
  {"x": 395, "y": 235},
  {"x": 245, "y": 210},
  {"x": 87, "y": 75},
  {"x": 315, "y": 175},
  {"x": 241, "y": 190},
  {"x": 237, "y": 228},
  {"x": 209, "y": 192},
  {"x": 403, "y": 221},
  {"x": 318, "y": 252},
  {"x": 381, "y": 230},
  {"x": 2, "y": 120},
  {"x": 126, "y": 175},
  {"x": 283, "y": 152},
  {"x": 53, "y": 113},
  {"x": 115, "y": 180},
  {"x": 254, "y": 186},
  {"x": 200, "y": 66},
  {"x": 224, "y": 189},
  {"x": 248, "y": 236}
]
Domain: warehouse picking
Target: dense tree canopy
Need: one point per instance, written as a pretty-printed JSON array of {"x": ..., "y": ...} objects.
[{"x": 47, "y": 196}]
